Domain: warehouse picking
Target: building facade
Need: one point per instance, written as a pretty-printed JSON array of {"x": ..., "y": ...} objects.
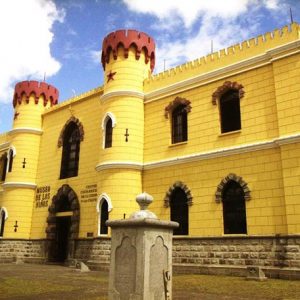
[{"x": 215, "y": 141}]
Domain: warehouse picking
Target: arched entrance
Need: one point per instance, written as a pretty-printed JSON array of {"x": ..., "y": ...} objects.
[{"x": 63, "y": 224}]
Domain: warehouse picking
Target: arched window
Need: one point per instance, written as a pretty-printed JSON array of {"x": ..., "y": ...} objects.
[
  {"x": 70, "y": 152},
  {"x": 103, "y": 215},
  {"x": 180, "y": 211},
  {"x": 104, "y": 206},
  {"x": 234, "y": 208},
  {"x": 3, "y": 166},
  {"x": 108, "y": 123},
  {"x": 11, "y": 159},
  {"x": 3, "y": 217},
  {"x": 179, "y": 124},
  {"x": 230, "y": 111},
  {"x": 108, "y": 133}
]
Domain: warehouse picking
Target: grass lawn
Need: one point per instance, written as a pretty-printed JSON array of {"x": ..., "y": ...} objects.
[{"x": 32, "y": 282}]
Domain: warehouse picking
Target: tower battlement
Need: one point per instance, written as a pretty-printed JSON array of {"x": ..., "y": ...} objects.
[
  {"x": 27, "y": 88},
  {"x": 128, "y": 38},
  {"x": 236, "y": 53}
]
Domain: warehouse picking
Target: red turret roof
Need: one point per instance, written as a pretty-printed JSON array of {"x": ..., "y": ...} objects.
[
  {"x": 37, "y": 88},
  {"x": 127, "y": 38}
]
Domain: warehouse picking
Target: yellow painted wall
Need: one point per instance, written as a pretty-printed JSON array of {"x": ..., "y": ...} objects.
[
  {"x": 258, "y": 117},
  {"x": 18, "y": 202},
  {"x": 286, "y": 77},
  {"x": 291, "y": 175},
  {"x": 269, "y": 111},
  {"x": 261, "y": 170},
  {"x": 87, "y": 111}
]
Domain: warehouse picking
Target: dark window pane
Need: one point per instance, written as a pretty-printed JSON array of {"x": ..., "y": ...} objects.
[
  {"x": 70, "y": 153},
  {"x": 3, "y": 166},
  {"x": 179, "y": 124},
  {"x": 230, "y": 111},
  {"x": 234, "y": 209},
  {"x": 2, "y": 222},
  {"x": 11, "y": 158},
  {"x": 104, "y": 217},
  {"x": 108, "y": 133}
]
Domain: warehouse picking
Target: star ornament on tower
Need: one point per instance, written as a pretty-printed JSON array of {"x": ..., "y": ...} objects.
[{"x": 110, "y": 76}]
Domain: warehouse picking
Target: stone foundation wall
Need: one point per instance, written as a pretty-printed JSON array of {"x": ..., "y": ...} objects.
[
  {"x": 95, "y": 252},
  {"x": 238, "y": 251},
  {"x": 24, "y": 250},
  {"x": 278, "y": 256}
]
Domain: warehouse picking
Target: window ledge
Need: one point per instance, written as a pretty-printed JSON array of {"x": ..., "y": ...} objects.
[
  {"x": 178, "y": 144},
  {"x": 230, "y": 132},
  {"x": 234, "y": 234}
]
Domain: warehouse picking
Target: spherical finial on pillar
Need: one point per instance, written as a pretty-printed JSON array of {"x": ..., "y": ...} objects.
[{"x": 144, "y": 200}]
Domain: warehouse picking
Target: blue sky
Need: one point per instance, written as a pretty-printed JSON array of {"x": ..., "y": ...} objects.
[{"x": 63, "y": 38}]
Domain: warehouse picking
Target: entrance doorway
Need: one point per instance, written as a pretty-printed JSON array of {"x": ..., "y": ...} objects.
[
  {"x": 63, "y": 225},
  {"x": 62, "y": 238}
]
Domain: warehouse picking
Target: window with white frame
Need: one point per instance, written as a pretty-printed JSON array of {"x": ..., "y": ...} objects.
[
  {"x": 3, "y": 166},
  {"x": 104, "y": 206},
  {"x": 3, "y": 217},
  {"x": 108, "y": 123}
]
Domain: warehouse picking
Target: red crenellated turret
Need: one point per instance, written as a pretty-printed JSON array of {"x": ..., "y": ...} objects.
[
  {"x": 27, "y": 88},
  {"x": 127, "y": 38}
]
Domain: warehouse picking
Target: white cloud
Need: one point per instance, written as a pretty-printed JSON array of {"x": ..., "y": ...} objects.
[
  {"x": 25, "y": 30},
  {"x": 225, "y": 22},
  {"x": 190, "y": 10},
  {"x": 95, "y": 56}
]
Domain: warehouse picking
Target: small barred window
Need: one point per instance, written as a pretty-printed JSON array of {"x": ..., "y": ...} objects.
[
  {"x": 179, "y": 124},
  {"x": 230, "y": 111}
]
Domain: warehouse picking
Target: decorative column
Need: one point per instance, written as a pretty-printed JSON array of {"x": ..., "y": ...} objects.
[{"x": 141, "y": 255}]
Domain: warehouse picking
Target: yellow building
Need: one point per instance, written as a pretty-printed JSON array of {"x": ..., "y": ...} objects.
[{"x": 215, "y": 141}]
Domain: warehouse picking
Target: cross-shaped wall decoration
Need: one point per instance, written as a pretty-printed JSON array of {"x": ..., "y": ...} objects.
[
  {"x": 16, "y": 227},
  {"x": 126, "y": 135},
  {"x": 24, "y": 163}
]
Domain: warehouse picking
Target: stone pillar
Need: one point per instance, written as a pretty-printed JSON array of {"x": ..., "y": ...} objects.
[{"x": 141, "y": 255}]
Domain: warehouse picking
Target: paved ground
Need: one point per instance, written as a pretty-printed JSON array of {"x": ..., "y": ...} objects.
[{"x": 27, "y": 281}]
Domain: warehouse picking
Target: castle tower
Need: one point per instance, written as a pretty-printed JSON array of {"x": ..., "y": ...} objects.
[
  {"x": 31, "y": 98},
  {"x": 128, "y": 57}
]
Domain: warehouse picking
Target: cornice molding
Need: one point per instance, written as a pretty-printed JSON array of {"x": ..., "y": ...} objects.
[
  {"x": 222, "y": 152},
  {"x": 4, "y": 146},
  {"x": 210, "y": 154},
  {"x": 288, "y": 139},
  {"x": 26, "y": 130},
  {"x": 123, "y": 93},
  {"x": 28, "y": 185},
  {"x": 280, "y": 49},
  {"x": 222, "y": 73},
  {"x": 275, "y": 143},
  {"x": 119, "y": 165}
]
